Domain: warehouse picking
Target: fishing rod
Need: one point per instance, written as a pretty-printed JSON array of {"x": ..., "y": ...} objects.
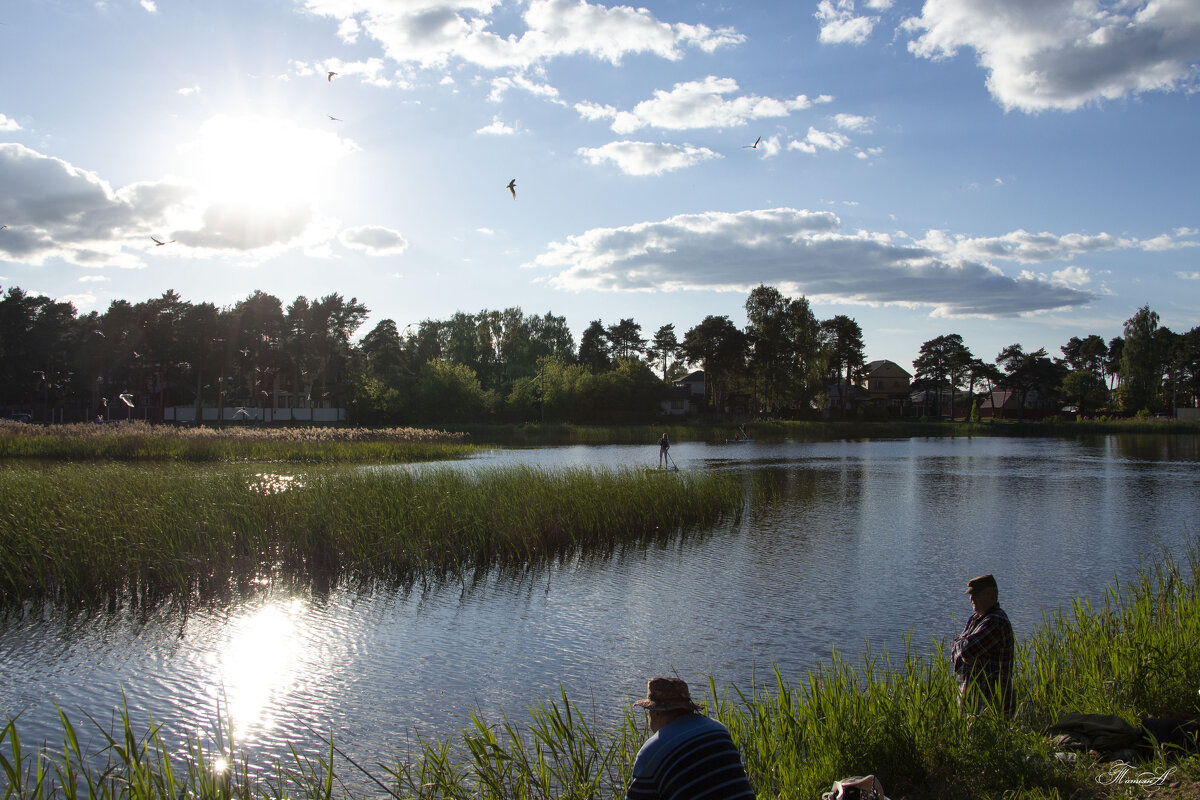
[{"x": 341, "y": 753}]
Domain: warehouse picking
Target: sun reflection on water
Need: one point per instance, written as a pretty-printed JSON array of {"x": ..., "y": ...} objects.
[{"x": 259, "y": 664}]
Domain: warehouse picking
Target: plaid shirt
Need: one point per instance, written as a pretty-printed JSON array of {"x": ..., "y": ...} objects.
[{"x": 983, "y": 658}]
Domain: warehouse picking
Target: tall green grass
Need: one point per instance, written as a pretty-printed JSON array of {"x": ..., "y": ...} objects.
[
  {"x": 140, "y": 441},
  {"x": 113, "y": 530},
  {"x": 896, "y": 718}
]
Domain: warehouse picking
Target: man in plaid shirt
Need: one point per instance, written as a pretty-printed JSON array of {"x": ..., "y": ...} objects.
[{"x": 983, "y": 652}]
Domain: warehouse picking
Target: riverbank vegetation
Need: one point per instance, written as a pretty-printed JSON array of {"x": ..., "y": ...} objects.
[
  {"x": 118, "y": 532},
  {"x": 1131, "y": 654},
  {"x": 141, "y": 441},
  {"x": 167, "y": 358}
]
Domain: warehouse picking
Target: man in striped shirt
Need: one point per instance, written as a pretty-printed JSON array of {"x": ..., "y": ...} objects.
[
  {"x": 689, "y": 756},
  {"x": 983, "y": 652}
]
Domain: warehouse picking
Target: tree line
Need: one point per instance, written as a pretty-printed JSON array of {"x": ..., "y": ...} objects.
[
  {"x": 1150, "y": 369},
  {"x": 136, "y": 359}
]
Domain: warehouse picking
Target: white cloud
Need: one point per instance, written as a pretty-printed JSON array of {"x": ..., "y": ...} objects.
[
  {"x": 7, "y": 124},
  {"x": 501, "y": 85},
  {"x": 1189, "y": 276},
  {"x": 820, "y": 140},
  {"x": 57, "y": 210},
  {"x": 1027, "y": 248},
  {"x": 697, "y": 104},
  {"x": 840, "y": 25},
  {"x": 432, "y": 32},
  {"x": 374, "y": 240},
  {"x": 806, "y": 252},
  {"x": 1063, "y": 54},
  {"x": 853, "y": 122},
  {"x": 186, "y": 90},
  {"x": 150, "y": 6},
  {"x": 348, "y": 30},
  {"x": 497, "y": 128},
  {"x": 82, "y": 302},
  {"x": 647, "y": 158}
]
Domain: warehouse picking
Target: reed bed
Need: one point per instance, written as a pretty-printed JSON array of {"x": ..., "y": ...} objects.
[
  {"x": 141, "y": 441},
  {"x": 94, "y": 532},
  {"x": 897, "y": 719}
]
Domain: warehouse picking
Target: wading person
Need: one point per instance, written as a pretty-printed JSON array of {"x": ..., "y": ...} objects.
[
  {"x": 664, "y": 444},
  {"x": 983, "y": 652},
  {"x": 689, "y": 756}
]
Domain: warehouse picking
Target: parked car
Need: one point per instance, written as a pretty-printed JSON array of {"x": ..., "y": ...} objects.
[{"x": 20, "y": 417}]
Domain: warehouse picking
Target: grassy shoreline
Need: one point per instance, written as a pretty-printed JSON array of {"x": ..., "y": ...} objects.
[
  {"x": 140, "y": 441},
  {"x": 118, "y": 532},
  {"x": 893, "y": 717}
]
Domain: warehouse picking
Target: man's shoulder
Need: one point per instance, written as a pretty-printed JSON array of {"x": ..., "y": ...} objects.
[
  {"x": 997, "y": 613},
  {"x": 678, "y": 733}
]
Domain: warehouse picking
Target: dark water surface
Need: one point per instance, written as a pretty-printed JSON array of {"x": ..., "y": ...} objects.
[{"x": 873, "y": 540}]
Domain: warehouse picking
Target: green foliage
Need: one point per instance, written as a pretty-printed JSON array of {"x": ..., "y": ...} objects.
[
  {"x": 1085, "y": 390},
  {"x": 897, "y": 719},
  {"x": 92, "y": 532},
  {"x": 1141, "y": 362},
  {"x": 449, "y": 392}
]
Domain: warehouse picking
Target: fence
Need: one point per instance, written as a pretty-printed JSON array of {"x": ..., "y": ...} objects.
[{"x": 324, "y": 416}]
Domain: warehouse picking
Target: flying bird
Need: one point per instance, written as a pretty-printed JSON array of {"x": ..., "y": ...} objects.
[
  {"x": 753, "y": 146},
  {"x": 2, "y": 227},
  {"x": 331, "y": 76},
  {"x": 335, "y": 119},
  {"x": 159, "y": 242},
  {"x": 512, "y": 187}
]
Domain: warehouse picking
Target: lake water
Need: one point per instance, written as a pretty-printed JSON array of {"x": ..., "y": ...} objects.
[{"x": 872, "y": 541}]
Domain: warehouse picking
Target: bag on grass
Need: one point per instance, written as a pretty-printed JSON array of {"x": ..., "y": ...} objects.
[{"x": 856, "y": 788}]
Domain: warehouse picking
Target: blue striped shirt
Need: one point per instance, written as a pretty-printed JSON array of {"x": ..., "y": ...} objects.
[{"x": 690, "y": 758}]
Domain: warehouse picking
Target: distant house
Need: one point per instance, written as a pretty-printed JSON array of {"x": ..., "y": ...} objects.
[
  {"x": 886, "y": 379},
  {"x": 1006, "y": 403},
  {"x": 845, "y": 396},
  {"x": 999, "y": 403},
  {"x": 686, "y": 396},
  {"x": 888, "y": 385},
  {"x": 693, "y": 382}
]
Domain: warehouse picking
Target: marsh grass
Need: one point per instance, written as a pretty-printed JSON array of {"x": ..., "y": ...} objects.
[
  {"x": 93, "y": 532},
  {"x": 141, "y": 441},
  {"x": 895, "y": 718}
]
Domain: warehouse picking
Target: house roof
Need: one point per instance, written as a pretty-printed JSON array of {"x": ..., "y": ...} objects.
[
  {"x": 1002, "y": 398},
  {"x": 691, "y": 377},
  {"x": 886, "y": 367}
]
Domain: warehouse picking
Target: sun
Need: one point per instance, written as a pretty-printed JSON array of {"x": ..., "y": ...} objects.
[{"x": 262, "y": 161}]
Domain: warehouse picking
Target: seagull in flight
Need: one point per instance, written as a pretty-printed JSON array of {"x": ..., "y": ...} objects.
[
  {"x": 331, "y": 76},
  {"x": 335, "y": 119},
  {"x": 159, "y": 242},
  {"x": 753, "y": 146},
  {"x": 512, "y": 187}
]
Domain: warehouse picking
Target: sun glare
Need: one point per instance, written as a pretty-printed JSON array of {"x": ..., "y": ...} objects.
[
  {"x": 262, "y": 160},
  {"x": 259, "y": 660}
]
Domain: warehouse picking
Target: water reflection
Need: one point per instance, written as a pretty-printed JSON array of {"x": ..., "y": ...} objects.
[
  {"x": 865, "y": 542},
  {"x": 259, "y": 663}
]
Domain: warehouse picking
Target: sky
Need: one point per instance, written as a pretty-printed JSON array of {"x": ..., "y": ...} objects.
[{"x": 1016, "y": 172}]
